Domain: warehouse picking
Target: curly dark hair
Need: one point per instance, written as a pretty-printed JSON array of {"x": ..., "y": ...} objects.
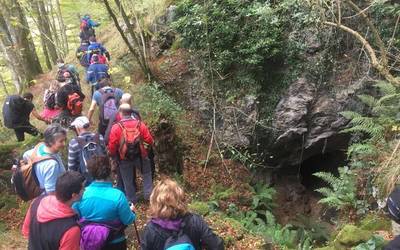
[{"x": 99, "y": 167}]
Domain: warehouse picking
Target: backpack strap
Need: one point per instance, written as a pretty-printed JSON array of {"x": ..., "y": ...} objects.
[{"x": 34, "y": 158}]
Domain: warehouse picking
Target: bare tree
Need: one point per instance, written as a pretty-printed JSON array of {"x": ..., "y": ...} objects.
[
  {"x": 379, "y": 62},
  {"x": 136, "y": 48},
  {"x": 17, "y": 45}
]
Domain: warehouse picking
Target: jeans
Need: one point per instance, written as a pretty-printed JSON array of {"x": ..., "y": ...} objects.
[{"x": 126, "y": 178}]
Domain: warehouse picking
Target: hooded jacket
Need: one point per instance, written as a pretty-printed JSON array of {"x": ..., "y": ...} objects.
[
  {"x": 157, "y": 232},
  {"x": 96, "y": 72},
  {"x": 51, "y": 209}
]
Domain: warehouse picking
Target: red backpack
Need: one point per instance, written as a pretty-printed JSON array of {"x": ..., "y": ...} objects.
[
  {"x": 84, "y": 25},
  {"x": 129, "y": 144},
  {"x": 74, "y": 104}
]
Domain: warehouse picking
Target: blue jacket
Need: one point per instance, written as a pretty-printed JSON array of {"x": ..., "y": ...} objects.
[
  {"x": 96, "y": 72},
  {"x": 103, "y": 203},
  {"x": 95, "y": 46}
]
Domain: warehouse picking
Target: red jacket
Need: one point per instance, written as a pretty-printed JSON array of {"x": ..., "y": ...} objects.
[
  {"x": 116, "y": 133},
  {"x": 52, "y": 209}
]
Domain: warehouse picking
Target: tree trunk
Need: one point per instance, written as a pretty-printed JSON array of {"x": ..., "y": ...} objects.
[
  {"x": 39, "y": 24},
  {"x": 62, "y": 26},
  {"x": 122, "y": 33},
  {"x": 131, "y": 31},
  {"x": 54, "y": 31},
  {"x": 50, "y": 44}
]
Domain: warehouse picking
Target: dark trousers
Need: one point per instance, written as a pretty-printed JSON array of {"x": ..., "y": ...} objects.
[
  {"x": 102, "y": 128},
  {"x": 116, "y": 246},
  {"x": 22, "y": 129},
  {"x": 126, "y": 178}
]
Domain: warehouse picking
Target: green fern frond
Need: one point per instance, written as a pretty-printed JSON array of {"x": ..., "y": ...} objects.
[
  {"x": 370, "y": 101},
  {"x": 350, "y": 114},
  {"x": 388, "y": 98},
  {"x": 386, "y": 88},
  {"x": 361, "y": 149}
]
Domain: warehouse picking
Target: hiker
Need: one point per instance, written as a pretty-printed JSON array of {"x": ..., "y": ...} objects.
[
  {"x": 50, "y": 222},
  {"x": 51, "y": 109},
  {"x": 126, "y": 98},
  {"x": 96, "y": 72},
  {"x": 70, "y": 99},
  {"x": 103, "y": 209},
  {"x": 48, "y": 171},
  {"x": 169, "y": 216},
  {"x": 16, "y": 114},
  {"x": 127, "y": 145},
  {"x": 81, "y": 54},
  {"x": 87, "y": 27},
  {"x": 83, "y": 147},
  {"x": 107, "y": 99},
  {"x": 63, "y": 68},
  {"x": 96, "y": 48},
  {"x": 393, "y": 205}
]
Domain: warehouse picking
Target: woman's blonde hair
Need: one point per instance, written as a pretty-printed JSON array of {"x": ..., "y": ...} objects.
[{"x": 167, "y": 201}]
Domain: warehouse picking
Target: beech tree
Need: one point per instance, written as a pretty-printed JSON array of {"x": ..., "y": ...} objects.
[{"x": 17, "y": 45}]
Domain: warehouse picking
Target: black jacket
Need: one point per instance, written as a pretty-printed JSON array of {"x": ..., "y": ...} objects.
[{"x": 196, "y": 228}]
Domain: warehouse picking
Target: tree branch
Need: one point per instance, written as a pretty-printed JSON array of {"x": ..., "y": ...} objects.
[{"x": 382, "y": 69}]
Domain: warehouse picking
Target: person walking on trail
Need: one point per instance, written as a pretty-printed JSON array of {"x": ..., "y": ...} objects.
[
  {"x": 48, "y": 171},
  {"x": 51, "y": 109},
  {"x": 50, "y": 222},
  {"x": 81, "y": 54},
  {"x": 63, "y": 68},
  {"x": 171, "y": 225},
  {"x": 96, "y": 72},
  {"x": 85, "y": 145},
  {"x": 127, "y": 145},
  {"x": 70, "y": 100},
  {"x": 126, "y": 98},
  {"x": 96, "y": 48},
  {"x": 87, "y": 27},
  {"x": 16, "y": 113},
  {"x": 107, "y": 99},
  {"x": 104, "y": 210}
]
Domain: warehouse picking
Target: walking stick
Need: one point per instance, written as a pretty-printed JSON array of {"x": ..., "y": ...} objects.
[{"x": 137, "y": 233}]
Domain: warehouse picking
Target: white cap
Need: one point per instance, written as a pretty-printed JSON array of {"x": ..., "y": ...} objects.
[{"x": 80, "y": 122}]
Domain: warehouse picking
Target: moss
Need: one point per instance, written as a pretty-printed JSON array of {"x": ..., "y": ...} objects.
[
  {"x": 351, "y": 235},
  {"x": 325, "y": 248},
  {"x": 374, "y": 222},
  {"x": 199, "y": 207},
  {"x": 7, "y": 202}
]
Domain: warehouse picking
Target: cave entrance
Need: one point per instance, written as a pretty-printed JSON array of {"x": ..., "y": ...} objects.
[{"x": 327, "y": 162}]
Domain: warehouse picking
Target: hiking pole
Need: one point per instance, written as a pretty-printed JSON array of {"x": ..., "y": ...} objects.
[{"x": 137, "y": 233}]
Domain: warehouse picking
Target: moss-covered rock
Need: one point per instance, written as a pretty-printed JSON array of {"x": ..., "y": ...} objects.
[
  {"x": 374, "y": 222},
  {"x": 350, "y": 236},
  {"x": 199, "y": 207}
]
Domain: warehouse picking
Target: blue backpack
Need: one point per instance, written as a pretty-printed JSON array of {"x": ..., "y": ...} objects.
[
  {"x": 179, "y": 241},
  {"x": 90, "y": 146}
]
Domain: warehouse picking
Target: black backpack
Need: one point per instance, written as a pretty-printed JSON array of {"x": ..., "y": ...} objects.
[
  {"x": 90, "y": 146},
  {"x": 11, "y": 110},
  {"x": 393, "y": 205},
  {"x": 178, "y": 240}
]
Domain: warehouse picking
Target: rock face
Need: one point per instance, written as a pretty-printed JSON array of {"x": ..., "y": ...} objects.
[{"x": 307, "y": 121}]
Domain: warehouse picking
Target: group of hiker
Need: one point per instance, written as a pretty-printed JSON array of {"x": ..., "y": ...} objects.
[{"x": 77, "y": 205}]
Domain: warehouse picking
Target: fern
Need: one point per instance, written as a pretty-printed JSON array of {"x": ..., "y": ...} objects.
[{"x": 341, "y": 191}]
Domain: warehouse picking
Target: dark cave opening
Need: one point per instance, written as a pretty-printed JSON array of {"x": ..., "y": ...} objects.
[{"x": 327, "y": 162}]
